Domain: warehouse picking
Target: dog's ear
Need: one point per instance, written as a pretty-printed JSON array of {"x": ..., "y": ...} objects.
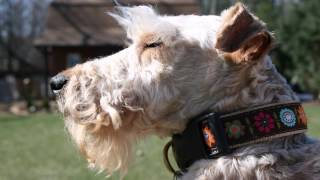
[{"x": 242, "y": 36}]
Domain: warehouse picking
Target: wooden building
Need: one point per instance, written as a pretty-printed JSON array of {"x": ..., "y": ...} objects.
[
  {"x": 78, "y": 30},
  {"x": 74, "y": 31}
]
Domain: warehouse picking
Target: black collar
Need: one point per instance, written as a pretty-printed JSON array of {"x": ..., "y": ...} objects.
[{"x": 214, "y": 135}]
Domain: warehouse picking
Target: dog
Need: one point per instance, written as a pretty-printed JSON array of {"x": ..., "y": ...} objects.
[{"x": 175, "y": 69}]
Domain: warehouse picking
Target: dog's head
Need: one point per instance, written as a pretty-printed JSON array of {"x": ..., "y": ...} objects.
[{"x": 175, "y": 68}]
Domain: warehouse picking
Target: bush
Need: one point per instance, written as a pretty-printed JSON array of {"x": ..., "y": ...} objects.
[{"x": 300, "y": 39}]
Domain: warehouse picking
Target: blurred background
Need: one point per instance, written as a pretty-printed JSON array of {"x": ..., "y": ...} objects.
[{"x": 39, "y": 38}]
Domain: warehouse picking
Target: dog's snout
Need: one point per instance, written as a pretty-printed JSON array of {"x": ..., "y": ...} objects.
[{"x": 57, "y": 82}]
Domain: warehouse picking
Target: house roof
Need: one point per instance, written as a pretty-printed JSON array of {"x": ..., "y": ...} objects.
[{"x": 85, "y": 22}]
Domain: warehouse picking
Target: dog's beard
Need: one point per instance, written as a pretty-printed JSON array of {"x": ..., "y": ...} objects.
[
  {"x": 106, "y": 149},
  {"x": 99, "y": 137},
  {"x": 96, "y": 127}
]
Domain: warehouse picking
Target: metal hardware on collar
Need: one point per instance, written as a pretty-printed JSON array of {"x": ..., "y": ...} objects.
[
  {"x": 167, "y": 161},
  {"x": 212, "y": 130},
  {"x": 206, "y": 127},
  {"x": 213, "y": 135}
]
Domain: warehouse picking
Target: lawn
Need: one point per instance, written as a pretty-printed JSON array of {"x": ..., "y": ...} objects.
[{"x": 37, "y": 148}]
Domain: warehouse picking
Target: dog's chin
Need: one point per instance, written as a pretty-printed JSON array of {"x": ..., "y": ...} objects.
[
  {"x": 103, "y": 147},
  {"x": 94, "y": 126}
]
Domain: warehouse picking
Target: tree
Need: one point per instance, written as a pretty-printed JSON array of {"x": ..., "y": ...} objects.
[
  {"x": 300, "y": 40},
  {"x": 20, "y": 22}
]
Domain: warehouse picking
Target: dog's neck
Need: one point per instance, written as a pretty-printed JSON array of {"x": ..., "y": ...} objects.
[
  {"x": 237, "y": 88},
  {"x": 257, "y": 85},
  {"x": 264, "y": 86}
]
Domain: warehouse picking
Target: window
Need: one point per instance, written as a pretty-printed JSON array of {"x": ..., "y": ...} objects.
[{"x": 73, "y": 59}]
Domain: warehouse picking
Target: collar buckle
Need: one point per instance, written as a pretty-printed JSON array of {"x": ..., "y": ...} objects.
[
  {"x": 204, "y": 138},
  {"x": 214, "y": 137}
]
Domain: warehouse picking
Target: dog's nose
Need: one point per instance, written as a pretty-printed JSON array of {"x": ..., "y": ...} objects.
[{"x": 57, "y": 82}]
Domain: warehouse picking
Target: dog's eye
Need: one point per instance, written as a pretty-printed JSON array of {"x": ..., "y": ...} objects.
[{"x": 153, "y": 45}]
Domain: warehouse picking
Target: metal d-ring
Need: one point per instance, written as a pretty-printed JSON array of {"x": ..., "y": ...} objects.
[{"x": 167, "y": 161}]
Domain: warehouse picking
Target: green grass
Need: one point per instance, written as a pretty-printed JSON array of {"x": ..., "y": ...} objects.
[
  {"x": 37, "y": 148},
  {"x": 313, "y": 114}
]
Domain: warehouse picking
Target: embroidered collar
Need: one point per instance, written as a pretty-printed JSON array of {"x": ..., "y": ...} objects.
[{"x": 213, "y": 135}]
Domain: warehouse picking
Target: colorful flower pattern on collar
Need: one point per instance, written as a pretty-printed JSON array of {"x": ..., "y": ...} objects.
[
  {"x": 264, "y": 122},
  {"x": 235, "y": 129},
  {"x": 302, "y": 116},
  {"x": 287, "y": 117}
]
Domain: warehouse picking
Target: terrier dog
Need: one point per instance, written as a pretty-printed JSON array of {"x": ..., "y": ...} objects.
[{"x": 176, "y": 68}]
